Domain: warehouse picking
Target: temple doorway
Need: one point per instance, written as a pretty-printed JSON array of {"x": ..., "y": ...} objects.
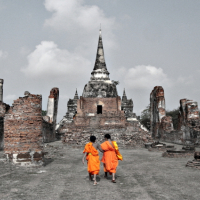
[{"x": 99, "y": 109}]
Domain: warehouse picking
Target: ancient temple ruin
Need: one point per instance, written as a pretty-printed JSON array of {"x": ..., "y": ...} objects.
[
  {"x": 23, "y": 129},
  {"x": 161, "y": 126},
  {"x": 127, "y": 106},
  {"x": 99, "y": 110}
]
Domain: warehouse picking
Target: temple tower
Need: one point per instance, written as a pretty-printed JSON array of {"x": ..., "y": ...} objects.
[
  {"x": 100, "y": 71},
  {"x": 100, "y": 84},
  {"x": 127, "y": 105}
]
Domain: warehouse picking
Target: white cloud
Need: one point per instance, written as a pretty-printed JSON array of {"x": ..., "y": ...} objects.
[
  {"x": 80, "y": 21},
  {"x": 73, "y": 14},
  {"x": 48, "y": 61},
  {"x": 3, "y": 54},
  {"x": 144, "y": 77}
]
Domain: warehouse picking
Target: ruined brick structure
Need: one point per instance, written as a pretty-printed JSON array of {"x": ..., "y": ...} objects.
[
  {"x": 157, "y": 111},
  {"x": 162, "y": 127},
  {"x": 127, "y": 106},
  {"x": 23, "y": 140},
  {"x": 3, "y": 110},
  {"x": 188, "y": 121},
  {"x": 49, "y": 121},
  {"x": 100, "y": 110},
  {"x": 71, "y": 110},
  {"x": 23, "y": 130}
]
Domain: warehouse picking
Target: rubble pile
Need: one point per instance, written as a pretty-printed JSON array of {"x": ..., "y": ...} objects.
[
  {"x": 196, "y": 162},
  {"x": 177, "y": 153},
  {"x": 133, "y": 136},
  {"x": 157, "y": 146}
]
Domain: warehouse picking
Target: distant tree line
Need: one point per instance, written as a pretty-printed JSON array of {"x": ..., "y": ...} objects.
[{"x": 145, "y": 117}]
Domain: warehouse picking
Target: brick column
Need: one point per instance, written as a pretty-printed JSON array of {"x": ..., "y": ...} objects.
[{"x": 23, "y": 141}]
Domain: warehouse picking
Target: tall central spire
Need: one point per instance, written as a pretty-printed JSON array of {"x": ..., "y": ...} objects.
[
  {"x": 100, "y": 60},
  {"x": 100, "y": 72}
]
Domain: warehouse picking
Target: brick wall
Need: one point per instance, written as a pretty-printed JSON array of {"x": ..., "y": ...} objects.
[
  {"x": 23, "y": 140},
  {"x": 188, "y": 131},
  {"x": 3, "y": 109},
  {"x": 89, "y": 105},
  {"x": 112, "y": 120},
  {"x": 159, "y": 122}
]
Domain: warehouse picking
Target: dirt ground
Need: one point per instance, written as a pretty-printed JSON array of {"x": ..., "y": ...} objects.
[{"x": 142, "y": 175}]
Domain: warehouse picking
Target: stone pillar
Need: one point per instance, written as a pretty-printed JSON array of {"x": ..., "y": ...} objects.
[
  {"x": 157, "y": 109},
  {"x": 52, "y": 107},
  {"x": 1, "y": 90},
  {"x": 188, "y": 121},
  {"x": 3, "y": 109},
  {"x": 23, "y": 141}
]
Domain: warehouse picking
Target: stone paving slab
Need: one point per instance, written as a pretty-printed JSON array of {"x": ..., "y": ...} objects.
[{"x": 142, "y": 175}]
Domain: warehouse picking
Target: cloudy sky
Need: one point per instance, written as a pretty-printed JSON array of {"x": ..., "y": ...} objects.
[{"x": 48, "y": 43}]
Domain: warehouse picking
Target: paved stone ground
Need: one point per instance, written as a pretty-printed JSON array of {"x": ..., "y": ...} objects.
[{"x": 142, "y": 175}]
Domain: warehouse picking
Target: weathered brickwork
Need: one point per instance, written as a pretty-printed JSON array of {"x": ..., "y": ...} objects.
[
  {"x": 100, "y": 111},
  {"x": 188, "y": 131},
  {"x": 189, "y": 123},
  {"x": 3, "y": 110},
  {"x": 112, "y": 120},
  {"x": 157, "y": 111},
  {"x": 89, "y": 105},
  {"x": 49, "y": 121},
  {"x": 131, "y": 134},
  {"x": 23, "y": 140}
]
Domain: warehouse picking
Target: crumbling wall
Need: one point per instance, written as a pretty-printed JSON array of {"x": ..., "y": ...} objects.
[
  {"x": 130, "y": 135},
  {"x": 188, "y": 131},
  {"x": 162, "y": 127},
  {"x": 188, "y": 121},
  {"x": 49, "y": 121},
  {"x": 23, "y": 140},
  {"x": 157, "y": 110},
  {"x": 3, "y": 110}
]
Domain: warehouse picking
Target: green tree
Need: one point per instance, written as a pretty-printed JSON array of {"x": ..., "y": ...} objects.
[
  {"x": 44, "y": 112},
  {"x": 145, "y": 117},
  {"x": 174, "y": 114}
]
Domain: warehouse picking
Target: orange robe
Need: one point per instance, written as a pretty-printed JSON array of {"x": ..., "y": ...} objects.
[
  {"x": 92, "y": 158},
  {"x": 109, "y": 158}
]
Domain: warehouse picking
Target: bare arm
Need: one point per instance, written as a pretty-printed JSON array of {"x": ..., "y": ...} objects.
[
  {"x": 100, "y": 149},
  {"x": 83, "y": 159}
]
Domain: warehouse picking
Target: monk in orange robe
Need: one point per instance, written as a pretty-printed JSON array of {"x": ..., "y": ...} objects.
[
  {"x": 109, "y": 158},
  {"x": 92, "y": 156}
]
